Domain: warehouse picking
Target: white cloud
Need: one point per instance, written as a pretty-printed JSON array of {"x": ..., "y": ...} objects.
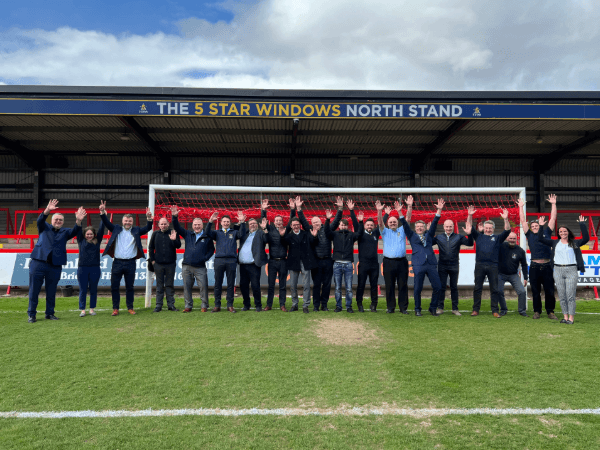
[{"x": 339, "y": 44}]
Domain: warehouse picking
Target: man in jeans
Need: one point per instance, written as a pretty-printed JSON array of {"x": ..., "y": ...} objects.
[
  {"x": 162, "y": 253},
  {"x": 199, "y": 248},
  {"x": 511, "y": 255},
  {"x": 486, "y": 261},
  {"x": 343, "y": 256},
  {"x": 541, "y": 272}
]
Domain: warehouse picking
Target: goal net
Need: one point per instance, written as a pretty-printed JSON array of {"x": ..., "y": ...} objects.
[{"x": 202, "y": 201}]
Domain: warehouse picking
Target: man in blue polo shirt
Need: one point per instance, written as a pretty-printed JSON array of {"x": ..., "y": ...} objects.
[
  {"x": 395, "y": 265},
  {"x": 48, "y": 257}
]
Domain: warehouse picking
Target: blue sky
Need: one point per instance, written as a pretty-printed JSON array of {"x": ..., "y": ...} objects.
[
  {"x": 307, "y": 44},
  {"x": 110, "y": 16}
]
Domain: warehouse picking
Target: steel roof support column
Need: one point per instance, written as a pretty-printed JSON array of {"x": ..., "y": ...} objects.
[
  {"x": 164, "y": 161},
  {"x": 38, "y": 186},
  {"x": 540, "y": 193},
  {"x": 293, "y": 152}
]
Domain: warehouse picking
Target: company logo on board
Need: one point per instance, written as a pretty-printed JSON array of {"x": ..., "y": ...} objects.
[
  {"x": 476, "y": 112},
  {"x": 143, "y": 109}
]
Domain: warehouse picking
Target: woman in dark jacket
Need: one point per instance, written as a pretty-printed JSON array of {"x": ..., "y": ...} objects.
[
  {"x": 567, "y": 261},
  {"x": 88, "y": 270}
]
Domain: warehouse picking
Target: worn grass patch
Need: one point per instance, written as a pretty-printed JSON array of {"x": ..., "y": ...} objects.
[{"x": 346, "y": 332}]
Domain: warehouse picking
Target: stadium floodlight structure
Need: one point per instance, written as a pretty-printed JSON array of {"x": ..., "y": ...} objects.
[{"x": 202, "y": 201}]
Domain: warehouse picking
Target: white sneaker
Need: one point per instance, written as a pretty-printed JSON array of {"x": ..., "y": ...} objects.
[
  {"x": 456, "y": 313},
  {"x": 82, "y": 314},
  {"x": 439, "y": 311}
]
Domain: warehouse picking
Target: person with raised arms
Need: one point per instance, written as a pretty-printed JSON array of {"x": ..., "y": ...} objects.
[
  {"x": 88, "y": 266},
  {"x": 199, "y": 248},
  {"x": 540, "y": 270},
  {"x": 125, "y": 247},
  {"x": 48, "y": 256},
  {"x": 252, "y": 257},
  {"x": 162, "y": 254},
  {"x": 225, "y": 256}
]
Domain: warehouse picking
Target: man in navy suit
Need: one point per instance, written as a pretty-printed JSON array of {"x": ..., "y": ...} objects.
[
  {"x": 48, "y": 257},
  {"x": 125, "y": 247},
  {"x": 423, "y": 259},
  {"x": 252, "y": 257}
]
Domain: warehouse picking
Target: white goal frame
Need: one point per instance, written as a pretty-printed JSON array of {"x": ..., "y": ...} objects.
[{"x": 320, "y": 190}]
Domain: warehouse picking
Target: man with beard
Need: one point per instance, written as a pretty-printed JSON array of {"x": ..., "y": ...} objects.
[
  {"x": 322, "y": 273},
  {"x": 278, "y": 249},
  {"x": 511, "y": 255}
]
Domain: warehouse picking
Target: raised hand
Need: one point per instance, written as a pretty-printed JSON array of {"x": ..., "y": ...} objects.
[
  {"x": 328, "y": 214},
  {"x": 298, "y": 203},
  {"x": 102, "y": 207},
  {"x": 480, "y": 227},
  {"x": 552, "y": 199},
  {"x": 80, "y": 214},
  {"x": 409, "y": 200},
  {"x": 263, "y": 223},
  {"x": 173, "y": 235},
  {"x": 542, "y": 220},
  {"x": 292, "y": 203},
  {"x": 504, "y": 214},
  {"x": 339, "y": 202},
  {"x": 398, "y": 206},
  {"x": 467, "y": 228},
  {"x": 471, "y": 210},
  {"x": 350, "y": 204},
  {"x": 314, "y": 232},
  {"x": 440, "y": 204},
  {"x": 428, "y": 225},
  {"x": 241, "y": 217},
  {"x": 361, "y": 216},
  {"x": 520, "y": 203},
  {"x": 174, "y": 211},
  {"x": 214, "y": 216},
  {"x": 378, "y": 205},
  {"x": 148, "y": 214},
  {"x": 51, "y": 206},
  {"x": 264, "y": 204},
  {"x": 582, "y": 218},
  {"x": 388, "y": 210}
]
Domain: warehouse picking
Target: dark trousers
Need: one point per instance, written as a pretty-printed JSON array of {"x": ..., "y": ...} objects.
[
  {"x": 88, "y": 278},
  {"x": 396, "y": 271},
  {"x": 322, "y": 276},
  {"x": 165, "y": 280},
  {"x": 431, "y": 271},
  {"x": 542, "y": 275},
  {"x": 224, "y": 266},
  {"x": 444, "y": 272},
  {"x": 372, "y": 273},
  {"x": 40, "y": 272},
  {"x": 250, "y": 276},
  {"x": 122, "y": 268},
  {"x": 277, "y": 268},
  {"x": 481, "y": 270}
]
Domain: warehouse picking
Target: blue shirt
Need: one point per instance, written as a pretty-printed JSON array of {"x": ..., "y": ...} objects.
[
  {"x": 199, "y": 235},
  {"x": 394, "y": 243},
  {"x": 246, "y": 250}
]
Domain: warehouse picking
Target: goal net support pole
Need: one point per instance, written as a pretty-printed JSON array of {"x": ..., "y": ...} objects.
[{"x": 316, "y": 200}]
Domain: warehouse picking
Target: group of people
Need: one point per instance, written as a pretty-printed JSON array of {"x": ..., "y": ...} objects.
[{"x": 313, "y": 251}]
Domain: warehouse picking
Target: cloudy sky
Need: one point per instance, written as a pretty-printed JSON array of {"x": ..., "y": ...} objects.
[{"x": 316, "y": 44}]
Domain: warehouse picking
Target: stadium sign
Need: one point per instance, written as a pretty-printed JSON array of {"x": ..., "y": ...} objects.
[{"x": 312, "y": 110}]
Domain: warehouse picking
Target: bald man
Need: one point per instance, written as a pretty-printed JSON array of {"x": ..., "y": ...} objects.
[
  {"x": 511, "y": 255},
  {"x": 449, "y": 244}
]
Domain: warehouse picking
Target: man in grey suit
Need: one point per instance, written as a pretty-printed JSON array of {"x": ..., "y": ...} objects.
[{"x": 252, "y": 257}]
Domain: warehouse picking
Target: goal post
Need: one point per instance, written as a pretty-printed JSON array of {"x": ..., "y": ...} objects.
[{"x": 202, "y": 201}]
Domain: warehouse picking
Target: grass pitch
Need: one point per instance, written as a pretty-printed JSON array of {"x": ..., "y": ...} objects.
[{"x": 326, "y": 360}]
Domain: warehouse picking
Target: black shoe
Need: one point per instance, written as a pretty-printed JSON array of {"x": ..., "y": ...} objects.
[
  {"x": 305, "y": 310},
  {"x": 157, "y": 309},
  {"x": 294, "y": 308},
  {"x": 51, "y": 317},
  {"x": 403, "y": 311},
  {"x": 523, "y": 314},
  {"x": 360, "y": 308},
  {"x": 324, "y": 308},
  {"x": 349, "y": 310},
  {"x": 389, "y": 311},
  {"x": 433, "y": 313},
  {"x": 503, "y": 313},
  {"x": 172, "y": 308},
  {"x": 563, "y": 321},
  {"x": 258, "y": 308},
  {"x": 418, "y": 313},
  {"x": 338, "y": 309},
  {"x": 315, "y": 309},
  {"x": 32, "y": 319},
  {"x": 373, "y": 307},
  {"x": 246, "y": 308}
]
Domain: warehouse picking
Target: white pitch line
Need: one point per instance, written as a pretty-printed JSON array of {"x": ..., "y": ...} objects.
[{"x": 357, "y": 411}]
